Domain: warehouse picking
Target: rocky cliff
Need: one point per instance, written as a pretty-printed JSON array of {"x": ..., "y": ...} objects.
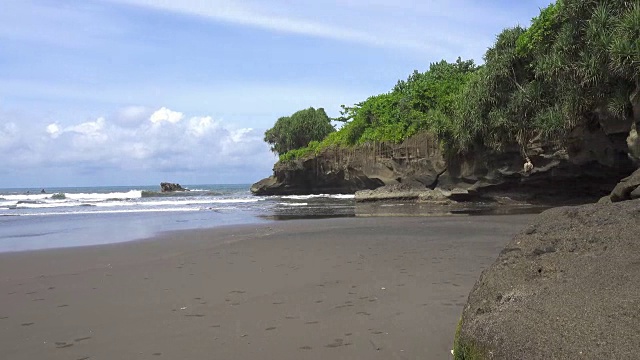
[{"x": 591, "y": 160}]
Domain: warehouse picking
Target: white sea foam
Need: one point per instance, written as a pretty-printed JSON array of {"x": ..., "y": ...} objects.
[
  {"x": 294, "y": 204},
  {"x": 115, "y": 211},
  {"x": 330, "y": 196},
  {"x": 86, "y": 197},
  {"x": 133, "y": 194}
]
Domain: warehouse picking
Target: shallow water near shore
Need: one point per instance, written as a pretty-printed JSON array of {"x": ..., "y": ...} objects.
[{"x": 69, "y": 217}]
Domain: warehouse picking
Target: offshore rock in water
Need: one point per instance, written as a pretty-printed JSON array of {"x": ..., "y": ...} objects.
[{"x": 171, "y": 187}]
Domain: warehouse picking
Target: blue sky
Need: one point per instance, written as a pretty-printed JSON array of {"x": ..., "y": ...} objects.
[{"x": 134, "y": 92}]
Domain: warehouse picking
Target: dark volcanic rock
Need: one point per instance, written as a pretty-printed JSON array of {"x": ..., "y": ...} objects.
[
  {"x": 401, "y": 192},
  {"x": 583, "y": 168},
  {"x": 170, "y": 187},
  {"x": 417, "y": 162},
  {"x": 566, "y": 287},
  {"x": 627, "y": 189},
  {"x": 302, "y": 178}
]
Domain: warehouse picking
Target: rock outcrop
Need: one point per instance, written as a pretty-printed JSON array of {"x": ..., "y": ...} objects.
[
  {"x": 171, "y": 187},
  {"x": 400, "y": 192},
  {"x": 566, "y": 287},
  {"x": 587, "y": 165},
  {"x": 627, "y": 189}
]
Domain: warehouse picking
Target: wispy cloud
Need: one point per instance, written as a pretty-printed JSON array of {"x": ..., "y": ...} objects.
[
  {"x": 437, "y": 27},
  {"x": 249, "y": 15}
]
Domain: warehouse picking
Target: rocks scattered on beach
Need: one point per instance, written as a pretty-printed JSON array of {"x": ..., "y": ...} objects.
[
  {"x": 171, "y": 187},
  {"x": 400, "y": 192},
  {"x": 627, "y": 189},
  {"x": 566, "y": 287}
]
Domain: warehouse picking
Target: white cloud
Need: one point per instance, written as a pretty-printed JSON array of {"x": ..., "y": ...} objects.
[
  {"x": 90, "y": 128},
  {"x": 164, "y": 114},
  {"x": 53, "y": 130},
  {"x": 200, "y": 145},
  {"x": 199, "y": 126},
  {"x": 8, "y": 134}
]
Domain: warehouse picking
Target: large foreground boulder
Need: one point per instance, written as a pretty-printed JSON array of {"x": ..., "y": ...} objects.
[{"x": 566, "y": 287}]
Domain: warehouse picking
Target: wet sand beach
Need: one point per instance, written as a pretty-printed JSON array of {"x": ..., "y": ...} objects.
[{"x": 343, "y": 288}]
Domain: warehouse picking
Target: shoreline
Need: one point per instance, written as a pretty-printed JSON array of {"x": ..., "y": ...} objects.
[{"x": 374, "y": 287}]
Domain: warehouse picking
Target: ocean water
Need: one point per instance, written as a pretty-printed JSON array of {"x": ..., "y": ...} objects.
[{"x": 80, "y": 216}]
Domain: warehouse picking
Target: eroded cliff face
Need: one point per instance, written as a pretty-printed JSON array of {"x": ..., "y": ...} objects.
[
  {"x": 588, "y": 164},
  {"x": 418, "y": 161}
]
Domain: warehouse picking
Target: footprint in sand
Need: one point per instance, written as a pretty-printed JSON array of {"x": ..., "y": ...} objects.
[
  {"x": 195, "y": 315},
  {"x": 336, "y": 343},
  {"x": 363, "y": 313},
  {"x": 312, "y": 322},
  {"x": 305, "y": 347},
  {"x": 82, "y": 339},
  {"x": 62, "y": 344},
  {"x": 3, "y": 317},
  {"x": 27, "y": 324},
  {"x": 278, "y": 303},
  {"x": 156, "y": 354},
  {"x": 342, "y": 306},
  {"x": 237, "y": 292},
  {"x": 291, "y": 317},
  {"x": 318, "y": 301},
  {"x": 84, "y": 358},
  {"x": 270, "y": 328}
]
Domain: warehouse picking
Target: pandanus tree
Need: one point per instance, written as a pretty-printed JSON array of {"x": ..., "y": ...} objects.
[
  {"x": 579, "y": 58},
  {"x": 590, "y": 59}
]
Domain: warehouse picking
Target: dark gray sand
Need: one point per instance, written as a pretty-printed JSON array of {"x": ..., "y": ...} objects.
[{"x": 348, "y": 288}]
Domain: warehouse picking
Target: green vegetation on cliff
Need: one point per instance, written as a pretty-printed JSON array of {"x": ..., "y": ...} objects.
[
  {"x": 296, "y": 131},
  {"x": 578, "y": 60}
]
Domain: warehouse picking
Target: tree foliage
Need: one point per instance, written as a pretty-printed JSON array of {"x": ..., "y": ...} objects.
[
  {"x": 298, "y": 130},
  {"x": 578, "y": 60},
  {"x": 411, "y": 106}
]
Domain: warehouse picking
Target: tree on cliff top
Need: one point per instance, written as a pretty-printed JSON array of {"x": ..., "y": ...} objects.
[{"x": 296, "y": 131}]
